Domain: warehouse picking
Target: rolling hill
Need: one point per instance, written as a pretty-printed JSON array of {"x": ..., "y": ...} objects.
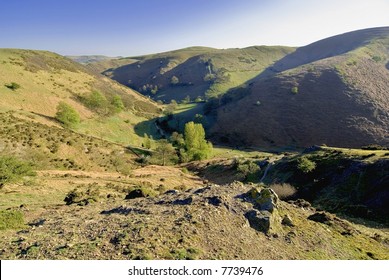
[
  {"x": 334, "y": 91},
  {"x": 194, "y": 72},
  {"x": 43, "y": 79}
]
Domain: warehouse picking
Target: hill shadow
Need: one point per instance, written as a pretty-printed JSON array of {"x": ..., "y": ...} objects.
[
  {"x": 326, "y": 48},
  {"x": 168, "y": 124},
  {"x": 329, "y": 47}
]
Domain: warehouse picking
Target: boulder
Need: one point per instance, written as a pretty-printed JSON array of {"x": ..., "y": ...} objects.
[
  {"x": 287, "y": 221},
  {"x": 185, "y": 201},
  {"x": 322, "y": 217},
  {"x": 264, "y": 221},
  {"x": 135, "y": 194},
  {"x": 259, "y": 220},
  {"x": 265, "y": 200}
]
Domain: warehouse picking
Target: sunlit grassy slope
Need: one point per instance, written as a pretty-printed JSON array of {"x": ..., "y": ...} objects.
[{"x": 46, "y": 78}]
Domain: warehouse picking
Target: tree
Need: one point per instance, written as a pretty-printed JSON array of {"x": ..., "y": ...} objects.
[
  {"x": 67, "y": 115},
  {"x": 186, "y": 100},
  {"x": 147, "y": 141},
  {"x": 117, "y": 103},
  {"x": 96, "y": 101},
  {"x": 195, "y": 144},
  {"x": 295, "y": 90},
  {"x": 13, "y": 170},
  {"x": 174, "y": 80},
  {"x": 165, "y": 153},
  {"x": 177, "y": 140}
]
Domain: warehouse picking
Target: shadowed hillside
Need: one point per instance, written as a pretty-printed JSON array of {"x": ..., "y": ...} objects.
[
  {"x": 335, "y": 91},
  {"x": 194, "y": 72}
]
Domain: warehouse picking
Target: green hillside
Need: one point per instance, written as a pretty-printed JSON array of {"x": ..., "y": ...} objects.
[
  {"x": 194, "y": 72},
  {"x": 44, "y": 79}
]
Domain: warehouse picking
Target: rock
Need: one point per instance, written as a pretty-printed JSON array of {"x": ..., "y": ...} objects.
[
  {"x": 135, "y": 194},
  {"x": 172, "y": 192},
  {"x": 214, "y": 200},
  {"x": 287, "y": 221},
  {"x": 259, "y": 220},
  {"x": 185, "y": 201},
  {"x": 321, "y": 217},
  {"x": 266, "y": 199},
  {"x": 199, "y": 191},
  {"x": 301, "y": 203}
]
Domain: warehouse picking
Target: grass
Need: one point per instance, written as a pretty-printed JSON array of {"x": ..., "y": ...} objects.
[
  {"x": 119, "y": 128},
  {"x": 46, "y": 79},
  {"x": 226, "y": 152},
  {"x": 374, "y": 155},
  {"x": 11, "y": 219}
]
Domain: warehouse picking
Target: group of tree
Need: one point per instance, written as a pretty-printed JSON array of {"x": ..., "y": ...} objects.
[
  {"x": 186, "y": 147},
  {"x": 96, "y": 101}
]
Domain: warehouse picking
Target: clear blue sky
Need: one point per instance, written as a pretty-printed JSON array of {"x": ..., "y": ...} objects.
[{"x": 133, "y": 27}]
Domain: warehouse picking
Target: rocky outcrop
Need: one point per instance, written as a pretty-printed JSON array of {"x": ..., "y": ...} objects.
[{"x": 264, "y": 217}]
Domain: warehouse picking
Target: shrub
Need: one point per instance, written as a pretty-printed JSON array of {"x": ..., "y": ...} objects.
[
  {"x": 246, "y": 168},
  {"x": 284, "y": 191},
  {"x": 174, "y": 80},
  {"x": 11, "y": 219},
  {"x": 67, "y": 115},
  {"x": 305, "y": 165},
  {"x": 82, "y": 197},
  {"x": 13, "y": 170},
  {"x": 295, "y": 90},
  {"x": 13, "y": 86}
]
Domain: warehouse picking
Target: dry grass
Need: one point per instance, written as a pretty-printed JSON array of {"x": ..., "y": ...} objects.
[{"x": 284, "y": 191}]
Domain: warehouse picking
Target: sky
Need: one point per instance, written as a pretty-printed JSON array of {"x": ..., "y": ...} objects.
[{"x": 135, "y": 27}]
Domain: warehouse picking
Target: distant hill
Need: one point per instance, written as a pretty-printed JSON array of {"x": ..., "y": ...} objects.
[
  {"x": 334, "y": 91},
  {"x": 44, "y": 79},
  {"x": 85, "y": 59},
  {"x": 194, "y": 72}
]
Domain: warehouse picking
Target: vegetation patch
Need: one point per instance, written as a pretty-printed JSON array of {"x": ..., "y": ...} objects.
[
  {"x": 11, "y": 219},
  {"x": 83, "y": 195},
  {"x": 13, "y": 170},
  {"x": 13, "y": 86},
  {"x": 67, "y": 115}
]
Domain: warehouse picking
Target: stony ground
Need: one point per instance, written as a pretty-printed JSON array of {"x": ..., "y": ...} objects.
[{"x": 199, "y": 222}]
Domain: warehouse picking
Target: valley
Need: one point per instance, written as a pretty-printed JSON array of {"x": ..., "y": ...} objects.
[{"x": 198, "y": 153}]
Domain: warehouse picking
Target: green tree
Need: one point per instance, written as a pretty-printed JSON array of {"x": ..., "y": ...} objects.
[
  {"x": 195, "y": 144},
  {"x": 177, "y": 140},
  {"x": 165, "y": 153},
  {"x": 147, "y": 141},
  {"x": 117, "y": 104},
  {"x": 96, "y": 101},
  {"x": 67, "y": 115},
  {"x": 13, "y": 170}
]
